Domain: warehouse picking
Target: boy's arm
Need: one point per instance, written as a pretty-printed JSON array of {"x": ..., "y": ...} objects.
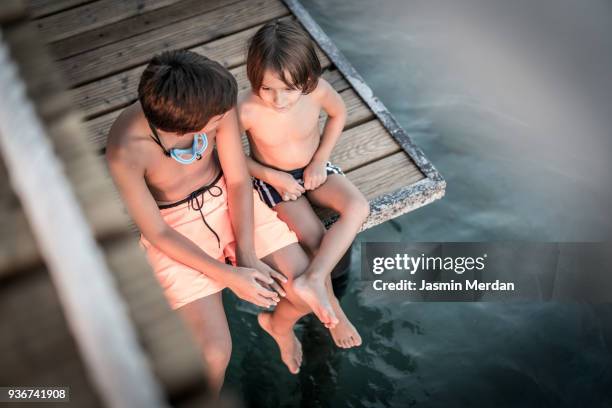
[
  {"x": 128, "y": 174},
  {"x": 240, "y": 194},
  {"x": 254, "y": 168},
  {"x": 260, "y": 171},
  {"x": 332, "y": 103}
]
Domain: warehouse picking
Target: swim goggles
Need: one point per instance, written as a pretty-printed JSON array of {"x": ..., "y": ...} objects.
[{"x": 184, "y": 156}]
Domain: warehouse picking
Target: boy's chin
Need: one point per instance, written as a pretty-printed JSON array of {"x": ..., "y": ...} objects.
[{"x": 282, "y": 108}]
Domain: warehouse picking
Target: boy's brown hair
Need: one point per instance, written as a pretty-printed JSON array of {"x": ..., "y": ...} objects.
[
  {"x": 283, "y": 47},
  {"x": 180, "y": 91}
]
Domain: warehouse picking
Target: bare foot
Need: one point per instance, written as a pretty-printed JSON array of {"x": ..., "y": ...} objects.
[
  {"x": 345, "y": 335},
  {"x": 313, "y": 292},
  {"x": 289, "y": 345}
]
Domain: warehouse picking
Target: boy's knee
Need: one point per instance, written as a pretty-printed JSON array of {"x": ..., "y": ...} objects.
[
  {"x": 311, "y": 239},
  {"x": 295, "y": 269},
  {"x": 358, "y": 208}
]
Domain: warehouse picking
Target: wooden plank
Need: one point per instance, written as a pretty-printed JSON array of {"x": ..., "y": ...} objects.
[
  {"x": 93, "y": 15},
  {"x": 116, "y": 91},
  {"x": 44, "y": 85},
  {"x": 18, "y": 249},
  {"x": 90, "y": 182},
  {"x": 41, "y": 8},
  {"x": 137, "y": 50},
  {"x": 12, "y": 10},
  {"x": 386, "y": 175},
  {"x": 335, "y": 78},
  {"x": 97, "y": 129},
  {"x": 356, "y": 110},
  {"x": 377, "y": 179},
  {"x": 363, "y": 144},
  {"x": 36, "y": 345},
  {"x": 132, "y": 26}
]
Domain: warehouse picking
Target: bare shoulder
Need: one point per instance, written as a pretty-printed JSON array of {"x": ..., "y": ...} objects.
[
  {"x": 126, "y": 137},
  {"x": 247, "y": 109},
  {"x": 328, "y": 99},
  {"x": 323, "y": 90}
]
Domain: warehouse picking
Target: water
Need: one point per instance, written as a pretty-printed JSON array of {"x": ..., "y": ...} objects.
[{"x": 510, "y": 101}]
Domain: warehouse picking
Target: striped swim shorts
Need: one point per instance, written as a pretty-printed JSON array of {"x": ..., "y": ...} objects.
[{"x": 271, "y": 197}]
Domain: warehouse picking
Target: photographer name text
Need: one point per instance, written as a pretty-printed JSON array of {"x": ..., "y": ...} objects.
[{"x": 423, "y": 263}]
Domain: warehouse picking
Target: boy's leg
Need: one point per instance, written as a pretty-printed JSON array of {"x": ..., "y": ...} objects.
[
  {"x": 301, "y": 219},
  {"x": 340, "y": 195},
  {"x": 205, "y": 318},
  {"x": 291, "y": 261},
  {"x": 345, "y": 335}
]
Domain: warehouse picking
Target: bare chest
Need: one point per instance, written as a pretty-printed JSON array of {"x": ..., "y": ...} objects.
[
  {"x": 169, "y": 180},
  {"x": 297, "y": 126}
]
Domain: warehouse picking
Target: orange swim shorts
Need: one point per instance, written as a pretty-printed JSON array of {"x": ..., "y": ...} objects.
[{"x": 182, "y": 284}]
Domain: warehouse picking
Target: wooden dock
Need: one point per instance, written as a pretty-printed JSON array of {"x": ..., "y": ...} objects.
[{"x": 96, "y": 51}]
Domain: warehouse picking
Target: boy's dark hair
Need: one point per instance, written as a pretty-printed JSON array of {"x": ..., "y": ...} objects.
[
  {"x": 283, "y": 47},
  {"x": 180, "y": 91}
]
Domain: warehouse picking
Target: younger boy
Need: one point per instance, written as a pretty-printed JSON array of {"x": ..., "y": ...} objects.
[
  {"x": 290, "y": 159},
  {"x": 194, "y": 206}
]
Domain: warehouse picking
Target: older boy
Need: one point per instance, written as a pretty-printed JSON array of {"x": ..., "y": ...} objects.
[{"x": 194, "y": 206}]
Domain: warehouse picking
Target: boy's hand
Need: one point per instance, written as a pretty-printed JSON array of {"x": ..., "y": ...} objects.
[
  {"x": 275, "y": 275},
  {"x": 287, "y": 186},
  {"x": 315, "y": 174},
  {"x": 247, "y": 284},
  {"x": 249, "y": 260}
]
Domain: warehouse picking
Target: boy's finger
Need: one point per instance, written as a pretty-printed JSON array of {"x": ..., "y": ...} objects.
[
  {"x": 267, "y": 293},
  {"x": 301, "y": 188},
  {"x": 279, "y": 276},
  {"x": 262, "y": 277},
  {"x": 277, "y": 288},
  {"x": 265, "y": 302},
  {"x": 262, "y": 302},
  {"x": 275, "y": 274}
]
